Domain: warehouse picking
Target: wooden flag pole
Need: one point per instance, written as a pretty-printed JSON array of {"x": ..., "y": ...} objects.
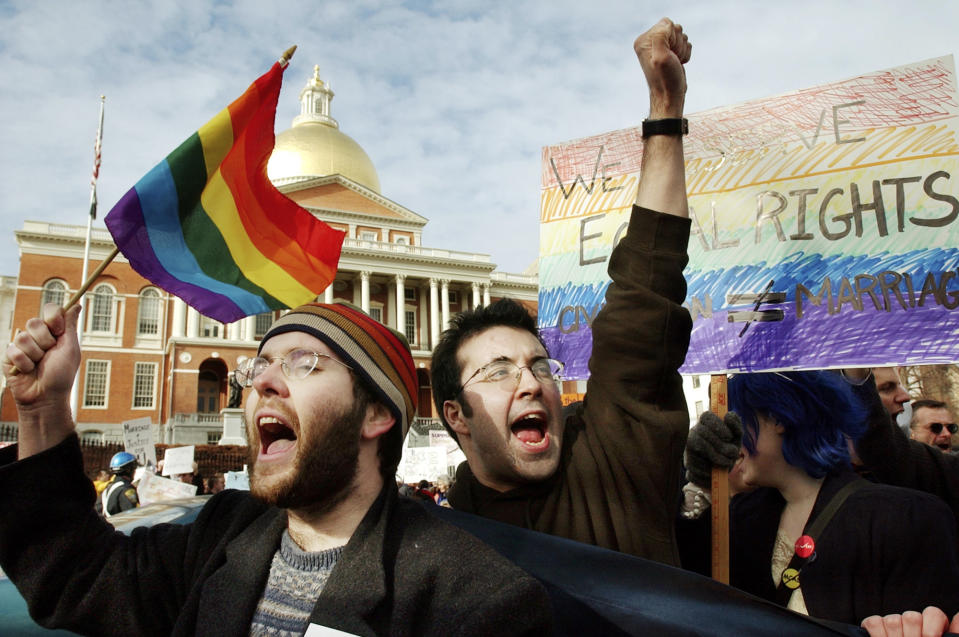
[
  {"x": 90, "y": 279},
  {"x": 719, "y": 507}
]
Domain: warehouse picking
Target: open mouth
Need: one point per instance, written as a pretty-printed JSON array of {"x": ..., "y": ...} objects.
[
  {"x": 275, "y": 436},
  {"x": 945, "y": 446},
  {"x": 531, "y": 431}
]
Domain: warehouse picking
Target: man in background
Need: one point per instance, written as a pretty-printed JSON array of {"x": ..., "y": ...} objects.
[
  {"x": 932, "y": 424},
  {"x": 119, "y": 494}
]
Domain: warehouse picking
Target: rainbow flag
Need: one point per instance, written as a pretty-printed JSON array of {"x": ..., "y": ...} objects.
[{"x": 207, "y": 225}]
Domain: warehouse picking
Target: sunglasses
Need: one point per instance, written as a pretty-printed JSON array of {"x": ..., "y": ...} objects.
[{"x": 936, "y": 427}]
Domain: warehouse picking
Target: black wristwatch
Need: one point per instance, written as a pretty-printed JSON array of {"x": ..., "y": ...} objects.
[{"x": 666, "y": 126}]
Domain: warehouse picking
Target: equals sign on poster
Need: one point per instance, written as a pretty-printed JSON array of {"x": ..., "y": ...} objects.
[{"x": 767, "y": 297}]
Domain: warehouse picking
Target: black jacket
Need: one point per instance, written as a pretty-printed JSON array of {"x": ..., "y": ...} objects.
[
  {"x": 886, "y": 550},
  {"x": 402, "y": 573}
]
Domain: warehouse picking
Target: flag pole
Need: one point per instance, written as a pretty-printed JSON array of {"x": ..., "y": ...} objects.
[
  {"x": 719, "y": 509},
  {"x": 74, "y": 393}
]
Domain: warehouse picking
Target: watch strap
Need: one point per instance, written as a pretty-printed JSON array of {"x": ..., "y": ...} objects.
[{"x": 665, "y": 126}]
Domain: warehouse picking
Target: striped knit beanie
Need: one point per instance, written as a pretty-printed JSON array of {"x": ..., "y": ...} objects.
[{"x": 377, "y": 354}]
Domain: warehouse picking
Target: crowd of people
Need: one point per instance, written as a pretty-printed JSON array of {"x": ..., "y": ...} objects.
[{"x": 834, "y": 510}]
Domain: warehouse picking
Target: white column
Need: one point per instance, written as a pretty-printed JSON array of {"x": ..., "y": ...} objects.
[
  {"x": 445, "y": 301},
  {"x": 328, "y": 293},
  {"x": 192, "y": 323},
  {"x": 485, "y": 294},
  {"x": 476, "y": 296},
  {"x": 249, "y": 328},
  {"x": 179, "y": 317},
  {"x": 434, "y": 315},
  {"x": 233, "y": 330},
  {"x": 365, "y": 291},
  {"x": 401, "y": 305}
]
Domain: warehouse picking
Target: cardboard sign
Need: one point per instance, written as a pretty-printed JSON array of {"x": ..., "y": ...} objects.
[
  {"x": 138, "y": 440},
  {"x": 423, "y": 463},
  {"x": 177, "y": 460},
  {"x": 236, "y": 480},
  {"x": 825, "y": 227},
  {"x": 153, "y": 488}
]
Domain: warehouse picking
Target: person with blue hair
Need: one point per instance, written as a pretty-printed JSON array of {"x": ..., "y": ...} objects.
[{"x": 815, "y": 537}]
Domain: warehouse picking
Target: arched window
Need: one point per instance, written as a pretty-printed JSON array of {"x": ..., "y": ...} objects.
[
  {"x": 54, "y": 292},
  {"x": 148, "y": 320},
  {"x": 101, "y": 319},
  {"x": 208, "y": 392}
]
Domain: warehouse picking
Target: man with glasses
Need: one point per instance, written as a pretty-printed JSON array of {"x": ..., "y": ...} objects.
[
  {"x": 932, "y": 424},
  {"x": 322, "y": 538},
  {"x": 606, "y": 471}
]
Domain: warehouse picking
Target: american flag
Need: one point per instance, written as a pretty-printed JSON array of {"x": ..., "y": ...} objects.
[{"x": 96, "y": 163}]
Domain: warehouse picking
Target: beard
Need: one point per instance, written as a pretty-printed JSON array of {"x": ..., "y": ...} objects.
[{"x": 324, "y": 467}]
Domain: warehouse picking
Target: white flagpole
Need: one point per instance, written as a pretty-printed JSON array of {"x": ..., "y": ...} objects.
[{"x": 75, "y": 393}]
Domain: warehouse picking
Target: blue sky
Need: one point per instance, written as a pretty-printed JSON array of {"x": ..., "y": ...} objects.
[{"x": 452, "y": 100}]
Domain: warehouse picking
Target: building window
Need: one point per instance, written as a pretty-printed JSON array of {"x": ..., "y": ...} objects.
[
  {"x": 410, "y": 326},
  {"x": 148, "y": 321},
  {"x": 95, "y": 383},
  {"x": 208, "y": 393},
  {"x": 377, "y": 313},
  {"x": 209, "y": 328},
  {"x": 91, "y": 437},
  {"x": 54, "y": 292},
  {"x": 699, "y": 408},
  {"x": 454, "y": 296},
  {"x": 695, "y": 382},
  {"x": 101, "y": 319},
  {"x": 368, "y": 235},
  {"x": 409, "y": 294},
  {"x": 144, "y": 384},
  {"x": 402, "y": 240},
  {"x": 262, "y": 324},
  {"x": 213, "y": 437}
]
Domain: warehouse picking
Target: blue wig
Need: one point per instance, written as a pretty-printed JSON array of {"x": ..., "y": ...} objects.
[{"x": 817, "y": 409}]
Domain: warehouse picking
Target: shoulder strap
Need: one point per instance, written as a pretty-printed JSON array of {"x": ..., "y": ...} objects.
[
  {"x": 814, "y": 530},
  {"x": 108, "y": 493}
]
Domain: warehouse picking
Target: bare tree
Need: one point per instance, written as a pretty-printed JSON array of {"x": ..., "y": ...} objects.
[{"x": 938, "y": 382}]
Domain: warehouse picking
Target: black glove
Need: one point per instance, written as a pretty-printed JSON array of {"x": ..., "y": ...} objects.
[{"x": 712, "y": 443}]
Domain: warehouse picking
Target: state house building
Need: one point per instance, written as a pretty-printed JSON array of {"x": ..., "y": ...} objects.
[{"x": 146, "y": 354}]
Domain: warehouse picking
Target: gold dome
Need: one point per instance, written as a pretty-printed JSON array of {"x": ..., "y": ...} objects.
[{"x": 315, "y": 146}]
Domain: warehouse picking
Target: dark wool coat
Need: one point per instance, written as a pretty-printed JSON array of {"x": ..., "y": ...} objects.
[
  {"x": 886, "y": 550},
  {"x": 618, "y": 478},
  {"x": 892, "y": 458},
  {"x": 403, "y": 572}
]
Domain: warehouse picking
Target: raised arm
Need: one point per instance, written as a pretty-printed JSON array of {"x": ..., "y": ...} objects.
[
  {"x": 662, "y": 51},
  {"x": 40, "y": 365}
]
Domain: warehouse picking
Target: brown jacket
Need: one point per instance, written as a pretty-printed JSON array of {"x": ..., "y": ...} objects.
[{"x": 617, "y": 484}]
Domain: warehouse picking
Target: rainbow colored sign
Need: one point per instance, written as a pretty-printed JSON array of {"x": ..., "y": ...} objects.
[{"x": 825, "y": 227}]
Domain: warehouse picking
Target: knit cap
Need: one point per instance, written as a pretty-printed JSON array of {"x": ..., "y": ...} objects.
[{"x": 377, "y": 354}]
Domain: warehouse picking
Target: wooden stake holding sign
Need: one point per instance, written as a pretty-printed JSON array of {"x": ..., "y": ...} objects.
[{"x": 719, "y": 405}]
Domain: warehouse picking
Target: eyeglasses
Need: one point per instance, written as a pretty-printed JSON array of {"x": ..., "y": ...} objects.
[
  {"x": 506, "y": 374},
  {"x": 296, "y": 365},
  {"x": 936, "y": 427}
]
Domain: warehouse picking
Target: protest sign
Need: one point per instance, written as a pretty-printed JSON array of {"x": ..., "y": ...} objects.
[
  {"x": 177, "y": 460},
  {"x": 138, "y": 440},
  {"x": 153, "y": 488},
  {"x": 236, "y": 480},
  {"x": 825, "y": 226},
  {"x": 442, "y": 439},
  {"x": 422, "y": 463}
]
